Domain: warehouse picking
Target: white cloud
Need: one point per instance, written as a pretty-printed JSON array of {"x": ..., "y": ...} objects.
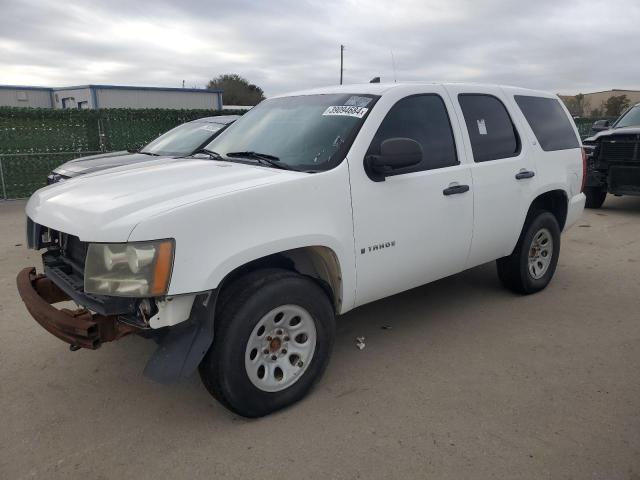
[{"x": 568, "y": 46}]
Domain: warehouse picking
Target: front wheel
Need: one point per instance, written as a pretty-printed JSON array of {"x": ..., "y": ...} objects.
[
  {"x": 595, "y": 197},
  {"x": 273, "y": 338},
  {"x": 533, "y": 262}
]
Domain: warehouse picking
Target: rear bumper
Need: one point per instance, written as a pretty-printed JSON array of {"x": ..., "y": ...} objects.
[
  {"x": 79, "y": 328},
  {"x": 574, "y": 210}
]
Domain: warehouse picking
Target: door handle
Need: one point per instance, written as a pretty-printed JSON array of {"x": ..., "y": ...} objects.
[
  {"x": 455, "y": 189},
  {"x": 522, "y": 174}
]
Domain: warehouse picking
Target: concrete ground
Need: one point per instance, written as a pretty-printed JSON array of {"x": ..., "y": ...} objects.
[{"x": 470, "y": 381}]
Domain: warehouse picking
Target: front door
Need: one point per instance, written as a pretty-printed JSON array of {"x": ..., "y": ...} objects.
[{"x": 415, "y": 226}]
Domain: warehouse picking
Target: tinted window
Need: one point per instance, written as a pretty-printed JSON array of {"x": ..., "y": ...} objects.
[
  {"x": 422, "y": 118},
  {"x": 549, "y": 122},
  {"x": 491, "y": 130}
]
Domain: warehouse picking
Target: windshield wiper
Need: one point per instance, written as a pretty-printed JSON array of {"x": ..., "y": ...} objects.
[
  {"x": 148, "y": 153},
  {"x": 211, "y": 153},
  {"x": 263, "y": 158}
]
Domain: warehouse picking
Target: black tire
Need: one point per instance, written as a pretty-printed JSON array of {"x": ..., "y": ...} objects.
[
  {"x": 513, "y": 270},
  {"x": 242, "y": 305},
  {"x": 595, "y": 197}
]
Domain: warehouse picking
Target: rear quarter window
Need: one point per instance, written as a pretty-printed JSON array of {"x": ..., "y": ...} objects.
[{"x": 549, "y": 122}]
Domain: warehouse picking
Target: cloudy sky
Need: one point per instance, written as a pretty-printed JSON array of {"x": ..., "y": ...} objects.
[{"x": 565, "y": 46}]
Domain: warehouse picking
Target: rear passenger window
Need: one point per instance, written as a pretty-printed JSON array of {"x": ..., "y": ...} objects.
[
  {"x": 422, "y": 118},
  {"x": 492, "y": 133},
  {"x": 549, "y": 122}
]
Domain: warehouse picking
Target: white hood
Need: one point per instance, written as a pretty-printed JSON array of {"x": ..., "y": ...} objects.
[{"x": 106, "y": 206}]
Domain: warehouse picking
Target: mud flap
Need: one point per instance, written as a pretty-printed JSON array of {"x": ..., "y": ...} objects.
[{"x": 182, "y": 348}]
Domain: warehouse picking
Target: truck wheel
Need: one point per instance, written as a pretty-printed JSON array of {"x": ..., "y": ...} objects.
[
  {"x": 533, "y": 262},
  {"x": 273, "y": 337},
  {"x": 595, "y": 197}
]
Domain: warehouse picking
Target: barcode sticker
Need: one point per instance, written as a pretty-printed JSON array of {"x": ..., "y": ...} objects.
[
  {"x": 482, "y": 127},
  {"x": 346, "y": 111}
]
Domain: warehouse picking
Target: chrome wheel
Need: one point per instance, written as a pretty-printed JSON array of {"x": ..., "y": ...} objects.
[
  {"x": 540, "y": 253},
  {"x": 280, "y": 348}
]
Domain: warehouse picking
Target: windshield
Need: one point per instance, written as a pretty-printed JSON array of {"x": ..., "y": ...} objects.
[
  {"x": 308, "y": 132},
  {"x": 629, "y": 119},
  {"x": 182, "y": 140}
]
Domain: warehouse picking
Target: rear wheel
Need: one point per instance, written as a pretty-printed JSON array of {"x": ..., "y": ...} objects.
[
  {"x": 273, "y": 338},
  {"x": 533, "y": 262},
  {"x": 595, "y": 197}
]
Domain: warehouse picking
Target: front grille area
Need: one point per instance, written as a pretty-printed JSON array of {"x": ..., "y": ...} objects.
[
  {"x": 620, "y": 148},
  {"x": 73, "y": 251},
  {"x": 64, "y": 261}
]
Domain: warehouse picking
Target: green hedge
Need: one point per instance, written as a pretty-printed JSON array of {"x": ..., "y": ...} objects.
[{"x": 34, "y": 140}]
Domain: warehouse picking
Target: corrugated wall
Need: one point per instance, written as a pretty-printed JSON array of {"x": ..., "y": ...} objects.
[
  {"x": 10, "y": 97},
  {"x": 121, "y": 98}
]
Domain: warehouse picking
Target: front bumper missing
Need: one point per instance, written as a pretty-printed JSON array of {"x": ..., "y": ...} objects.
[{"x": 79, "y": 328}]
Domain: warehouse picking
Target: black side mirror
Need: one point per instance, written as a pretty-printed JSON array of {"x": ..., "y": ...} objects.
[
  {"x": 396, "y": 154},
  {"x": 600, "y": 125}
]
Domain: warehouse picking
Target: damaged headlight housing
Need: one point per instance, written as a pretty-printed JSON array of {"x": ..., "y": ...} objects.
[{"x": 135, "y": 269}]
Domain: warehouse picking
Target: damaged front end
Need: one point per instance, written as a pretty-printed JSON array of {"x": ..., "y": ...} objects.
[
  {"x": 181, "y": 325},
  {"x": 79, "y": 328}
]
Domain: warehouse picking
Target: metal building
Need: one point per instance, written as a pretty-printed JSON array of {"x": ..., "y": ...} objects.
[
  {"x": 110, "y": 96},
  {"x": 18, "y": 96}
]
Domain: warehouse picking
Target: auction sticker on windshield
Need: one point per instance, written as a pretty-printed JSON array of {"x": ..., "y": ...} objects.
[{"x": 346, "y": 111}]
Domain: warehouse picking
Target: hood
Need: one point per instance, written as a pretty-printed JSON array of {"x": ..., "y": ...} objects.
[
  {"x": 95, "y": 163},
  {"x": 613, "y": 132},
  {"x": 107, "y": 205}
]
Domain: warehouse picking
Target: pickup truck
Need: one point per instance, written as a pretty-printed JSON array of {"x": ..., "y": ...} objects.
[
  {"x": 613, "y": 158},
  {"x": 308, "y": 206}
]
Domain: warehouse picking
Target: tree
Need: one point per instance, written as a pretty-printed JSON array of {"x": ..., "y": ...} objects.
[
  {"x": 237, "y": 90},
  {"x": 596, "y": 112},
  {"x": 615, "y": 105},
  {"x": 576, "y": 104}
]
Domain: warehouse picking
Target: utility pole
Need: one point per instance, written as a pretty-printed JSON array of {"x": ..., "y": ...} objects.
[{"x": 341, "y": 61}]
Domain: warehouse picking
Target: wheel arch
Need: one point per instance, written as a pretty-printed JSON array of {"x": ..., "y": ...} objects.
[
  {"x": 554, "y": 201},
  {"x": 318, "y": 262}
]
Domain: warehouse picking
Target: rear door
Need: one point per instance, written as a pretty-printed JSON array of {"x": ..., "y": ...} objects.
[
  {"x": 503, "y": 172},
  {"x": 555, "y": 141},
  {"x": 411, "y": 228}
]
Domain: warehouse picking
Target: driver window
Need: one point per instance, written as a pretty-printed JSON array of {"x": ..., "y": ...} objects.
[{"x": 422, "y": 118}]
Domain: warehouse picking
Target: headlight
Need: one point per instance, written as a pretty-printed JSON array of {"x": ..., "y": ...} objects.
[{"x": 136, "y": 269}]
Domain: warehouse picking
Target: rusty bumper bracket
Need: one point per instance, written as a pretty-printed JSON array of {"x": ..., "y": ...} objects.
[{"x": 79, "y": 328}]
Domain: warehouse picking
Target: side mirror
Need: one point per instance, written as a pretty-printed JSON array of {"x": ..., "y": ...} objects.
[
  {"x": 600, "y": 125},
  {"x": 395, "y": 155}
]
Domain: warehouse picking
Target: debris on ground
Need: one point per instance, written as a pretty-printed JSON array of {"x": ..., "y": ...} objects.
[{"x": 360, "y": 343}]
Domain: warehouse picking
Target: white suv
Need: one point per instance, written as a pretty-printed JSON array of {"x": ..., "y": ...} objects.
[{"x": 310, "y": 205}]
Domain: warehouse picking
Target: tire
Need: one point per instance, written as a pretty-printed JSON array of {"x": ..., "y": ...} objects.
[
  {"x": 515, "y": 271},
  {"x": 595, "y": 197},
  {"x": 229, "y": 370}
]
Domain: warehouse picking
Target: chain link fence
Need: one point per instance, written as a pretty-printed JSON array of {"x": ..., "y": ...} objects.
[
  {"x": 34, "y": 141},
  {"x": 584, "y": 125}
]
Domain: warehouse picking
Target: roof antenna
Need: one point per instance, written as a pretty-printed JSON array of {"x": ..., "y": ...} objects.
[{"x": 393, "y": 62}]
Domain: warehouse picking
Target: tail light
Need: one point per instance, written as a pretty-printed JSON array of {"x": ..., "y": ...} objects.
[{"x": 584, "y": 170}]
